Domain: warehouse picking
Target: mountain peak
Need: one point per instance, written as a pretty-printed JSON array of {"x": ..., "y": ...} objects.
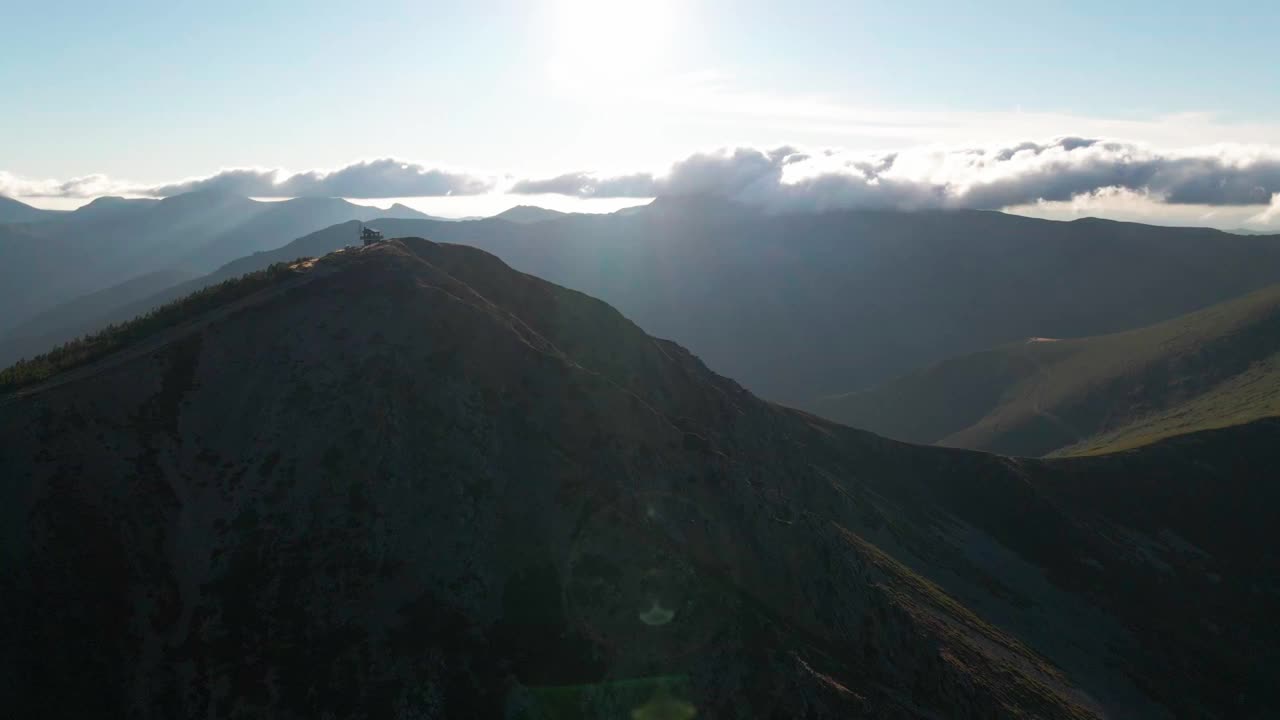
[
  {"x": 105, "y": 200},
  {"x": 205, "y": 198},
  {"x": 529, "y": 214}
]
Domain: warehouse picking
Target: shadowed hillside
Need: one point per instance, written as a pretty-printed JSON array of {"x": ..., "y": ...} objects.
[
  {"x": 1212, "y": 368},
  {"x": 409, "y": 481}
]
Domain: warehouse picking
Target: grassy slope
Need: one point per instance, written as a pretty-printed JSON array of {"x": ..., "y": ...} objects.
[
  {"x": 86, "y": 349},
  {"x": 1212, "y": 368},
  {"x": 1249, "y": 396}
]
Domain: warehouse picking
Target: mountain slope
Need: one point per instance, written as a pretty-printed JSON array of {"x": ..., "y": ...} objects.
[
  {"x": 1212, "y": 368},
  {"x": 406, "y": 479},
  {"x": 13, "y": 211},
  {"x": 86, "y": 314},
  {"x": 116, "y": 242}
]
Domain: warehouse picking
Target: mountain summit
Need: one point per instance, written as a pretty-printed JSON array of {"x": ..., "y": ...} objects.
[
  {"x": 529, "y": 214},
  {"x": 408, "y": 481}
]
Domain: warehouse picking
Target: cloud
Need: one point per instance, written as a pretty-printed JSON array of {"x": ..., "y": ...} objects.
[
  {"x": 930, "y": 177},
  {"x": 81, "y": 187},
  {"x": 1070, "y": 172},
  {"x": 585, "y": 185},
  {"x": 383, "y": 178},
  {"x": 1268, "y": 216}
]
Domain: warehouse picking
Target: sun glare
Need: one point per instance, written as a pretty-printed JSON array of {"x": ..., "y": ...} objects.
[{"x": 600, "y": 41}]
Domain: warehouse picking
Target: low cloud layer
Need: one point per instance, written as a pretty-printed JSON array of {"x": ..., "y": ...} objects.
[
  {"x": 1014, "y": 175},
  {"x": 373, "y": 179},
  {"x": 88, "y": 186},
  {"x": 985, "y": 178},
  {"x": 384, "y": 178}
]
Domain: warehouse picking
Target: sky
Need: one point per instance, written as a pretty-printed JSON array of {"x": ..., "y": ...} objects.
[{"x": 453, "y": 107}]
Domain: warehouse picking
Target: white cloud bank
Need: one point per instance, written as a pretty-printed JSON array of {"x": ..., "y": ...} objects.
[
  {"x": 1067, "y": 171},
  {"x": 1270, "y": 215},
  {"x": 986, "y": 178},
  {"x": 382, "y": 178}
]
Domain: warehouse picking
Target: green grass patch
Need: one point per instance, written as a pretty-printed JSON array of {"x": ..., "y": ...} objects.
[{"x": 1252, "y": 395}]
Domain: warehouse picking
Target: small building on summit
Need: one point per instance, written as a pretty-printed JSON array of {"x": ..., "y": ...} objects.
[{"x": 370, "y": 236}]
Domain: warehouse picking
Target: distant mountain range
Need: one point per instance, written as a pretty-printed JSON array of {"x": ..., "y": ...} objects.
[
  {"x": 407, "y": 480},
  {"x": 529, "y": 214},
  {"x": 12, "y": 211},
  {"x": 804, "y": 306},
  {"x": 1212, "y": 368}
]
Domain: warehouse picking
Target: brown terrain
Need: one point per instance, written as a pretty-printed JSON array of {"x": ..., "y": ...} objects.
[{"x": 411, "y": 482}]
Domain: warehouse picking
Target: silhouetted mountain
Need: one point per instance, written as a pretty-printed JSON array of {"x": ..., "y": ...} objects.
[
  {"x": 407, "y": 479},
  {"x": 528, "y": 214},
  {"x": 114, "y": 240},
  {"x": 12, "y": 211},
  {"x": 1215, "y": 367},
  {"x": 804, "y": 306},
  {"x": 807, "y": 305},
  {"x": 104, "y": 207}
]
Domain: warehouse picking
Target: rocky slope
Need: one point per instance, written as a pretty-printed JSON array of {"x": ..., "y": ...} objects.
[{"x": 407, "y": 481}]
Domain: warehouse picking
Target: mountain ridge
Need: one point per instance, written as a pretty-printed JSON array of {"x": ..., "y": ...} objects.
[{"x": 845, "y": 300}]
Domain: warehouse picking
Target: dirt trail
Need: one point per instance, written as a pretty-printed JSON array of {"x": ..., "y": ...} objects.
[{"x": 309, "y": 272}]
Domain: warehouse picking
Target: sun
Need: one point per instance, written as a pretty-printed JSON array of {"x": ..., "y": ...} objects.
[{"x": 598, "y": 41}]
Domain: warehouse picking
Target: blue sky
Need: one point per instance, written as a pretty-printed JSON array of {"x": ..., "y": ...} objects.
[{"x": 157, "y": 92}]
